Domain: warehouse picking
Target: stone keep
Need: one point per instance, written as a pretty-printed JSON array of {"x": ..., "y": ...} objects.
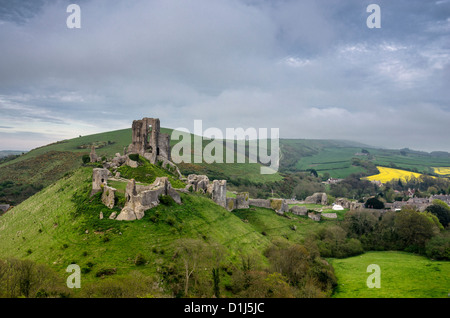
[{"x": 148, "y": 142}]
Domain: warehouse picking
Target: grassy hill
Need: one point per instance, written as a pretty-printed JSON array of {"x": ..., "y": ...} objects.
[
  {"x": 60, "y": 225},
  {"x": 40, "y": 167}
]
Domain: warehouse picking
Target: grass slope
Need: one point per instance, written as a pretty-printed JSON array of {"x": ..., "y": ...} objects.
[
  {"x": 57, "y": 228},
  {"x": 403, "y": 275}
]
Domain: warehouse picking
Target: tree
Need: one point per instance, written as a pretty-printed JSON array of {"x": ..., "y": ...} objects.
[
  {"x": 441, "y": 210},
  {"x": 415, "y": 228},
  {"x": 360, "y": 223},
  {"x": 191, "y": 252},
  {"x": 314, "y": 172},
  {"x": 439, "y": 247},
  {"x": 86, "y": 158},
  {"x": 374, "y": 203}
]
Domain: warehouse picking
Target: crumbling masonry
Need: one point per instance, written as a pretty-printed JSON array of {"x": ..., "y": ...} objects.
[{"x": 148, "y": 141}]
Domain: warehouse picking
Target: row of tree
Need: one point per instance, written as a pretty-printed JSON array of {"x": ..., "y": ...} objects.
[
  {"x": 201, "y": 270},
  {"x": 408, "y": 230}
]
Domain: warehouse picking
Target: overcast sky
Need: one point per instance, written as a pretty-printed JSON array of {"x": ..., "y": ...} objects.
[{"x": 313, "y": 69}]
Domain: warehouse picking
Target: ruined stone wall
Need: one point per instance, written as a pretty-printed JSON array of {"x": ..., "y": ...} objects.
[
  {"x": 242, "y": 200},
  {"x": 99, "y": 179},
  {"x": 164, "y": 146},
  {"x": 298, "y": 210},
  {"x": 261, "y": 203},
  {"x": 218, "y": 191},
  {"x": 108, "y": 196},
  {"x": 140, "y": 199}
]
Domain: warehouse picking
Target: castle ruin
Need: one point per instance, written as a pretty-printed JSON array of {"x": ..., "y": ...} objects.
[{"x": 148, "y": 141}]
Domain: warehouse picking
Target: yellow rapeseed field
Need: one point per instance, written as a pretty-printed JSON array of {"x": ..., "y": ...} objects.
[
  {"x": 387, "y": 174},
  {"x": 442, "y": 170}
]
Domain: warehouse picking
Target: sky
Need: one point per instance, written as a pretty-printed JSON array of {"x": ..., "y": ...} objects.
[{"x": 313, "y": 69}]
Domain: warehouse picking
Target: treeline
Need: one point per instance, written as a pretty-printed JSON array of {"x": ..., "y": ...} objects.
[
  {"x": 299, "y": 185},
  {"x": 13, "y": 193},
  {"x": 408, "y": 230},
  {"x": 354, "y": 187},
  {"x": 25, "y": 278},
  {"x": 424, "y": 185},
  {"x": 199, "y": 269}
]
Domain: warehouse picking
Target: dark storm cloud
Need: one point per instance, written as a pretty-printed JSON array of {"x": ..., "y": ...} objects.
[{"x": 311, "y": 68}]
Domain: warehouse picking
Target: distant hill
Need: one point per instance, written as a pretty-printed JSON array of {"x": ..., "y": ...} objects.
[
  {"x": 40, "y": 167},
  {"x": 5, "y": 153}
]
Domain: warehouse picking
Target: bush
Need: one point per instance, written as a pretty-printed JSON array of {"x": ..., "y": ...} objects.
[
  {"x": 139, "y": 260},
  {"x": 105, "y": 272},
  {"x": 441, "y": 210},
  {"x": 86, "y": 159},
  {"x": 374, "y": 203},
  {"x": 134, "y": 156},
  {"x": 166, "y": 200},
  {"x": 439, "y": 247},
  {"x": 171, "y": 220}
]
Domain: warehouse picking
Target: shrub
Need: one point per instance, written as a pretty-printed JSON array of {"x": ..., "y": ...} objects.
[
  {"x": 441, "y": 210},
  {"x": 374, "y": 203},
  {"x": 438, "y": 247},
  {"x": 166, "y": 200},
  {"x": 86, "y": 158},
  {"x": 171, "y": 220},
  {"x": 139, "y": 260},
  {"x": 134, "y": 156},
  {"x": 105, "y": 272}
]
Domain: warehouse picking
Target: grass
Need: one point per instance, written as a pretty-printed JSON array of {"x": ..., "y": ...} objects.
[
  {"x": 340, "y": 213},
  {"x": 403, "y": 275},
  {"x": 147, "y": 173},
  {"x": 336, "y": 158},
  {"x": 266, "y": 222},
  {"x": 57, "y": 228},
  {"x": 335, "y": 161}
]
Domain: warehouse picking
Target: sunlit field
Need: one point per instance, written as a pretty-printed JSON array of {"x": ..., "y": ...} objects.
[
  {"x": 443, "y": 171},
  {"x": 388, "y": 174}
]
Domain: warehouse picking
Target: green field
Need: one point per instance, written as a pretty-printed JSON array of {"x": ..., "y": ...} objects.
[
  {"x": 337, "y": 161},
  {"x": 403, "y": 275}
]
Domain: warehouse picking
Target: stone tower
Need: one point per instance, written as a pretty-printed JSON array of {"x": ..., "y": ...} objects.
[{"x": 148, "y": 141}]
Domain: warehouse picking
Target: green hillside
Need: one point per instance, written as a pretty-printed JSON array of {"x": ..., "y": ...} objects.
[
  {"x": 40, "y": 167},
  {"x": 60, "y": 225},
  {"x": 28, "y": 173}
]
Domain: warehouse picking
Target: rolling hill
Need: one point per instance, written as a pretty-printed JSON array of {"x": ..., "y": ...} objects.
[
  {"x": 60, "y": 226},
  {"x": 40, "y": 167}
]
